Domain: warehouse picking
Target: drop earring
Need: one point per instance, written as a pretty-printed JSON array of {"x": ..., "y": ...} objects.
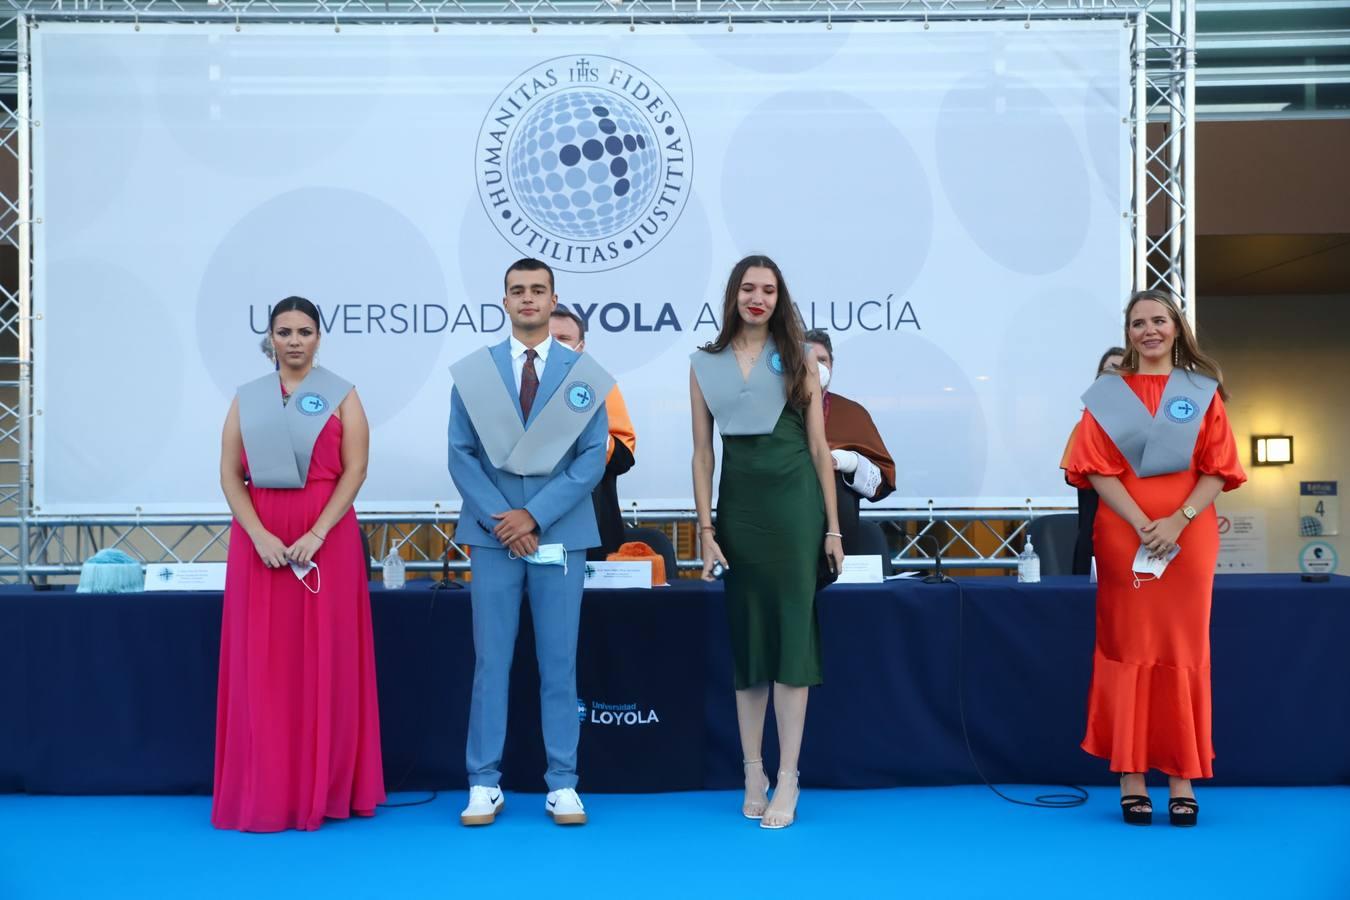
[{"x": 1176, "y": 355}]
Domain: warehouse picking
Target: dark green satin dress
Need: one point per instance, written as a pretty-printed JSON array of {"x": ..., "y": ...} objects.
[{"x": 770, "y": 526}]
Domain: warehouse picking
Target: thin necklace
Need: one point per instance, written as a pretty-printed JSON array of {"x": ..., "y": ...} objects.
[
  {"x": 742, "y": 351},
  {"x": 285, "y": 394}
]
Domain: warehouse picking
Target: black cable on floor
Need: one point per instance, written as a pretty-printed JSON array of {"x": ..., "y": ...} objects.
[
  {"x": 1042, "y": 801},
  {"x": 423, "y": 802},
  {"x": 431, "y": 608}
]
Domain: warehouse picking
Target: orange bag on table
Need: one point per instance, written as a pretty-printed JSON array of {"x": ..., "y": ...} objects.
[{"x": 637, "y": 551}]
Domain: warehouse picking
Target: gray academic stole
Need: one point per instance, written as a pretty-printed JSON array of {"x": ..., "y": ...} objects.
[
  {"x": 509, "y": 443},
  {"x": 742, "y": 406},
  {"x": 1153, "y": 444},
  {"x": 279, "y": 438}
]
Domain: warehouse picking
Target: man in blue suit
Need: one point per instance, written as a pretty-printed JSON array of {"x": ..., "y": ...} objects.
[{"x": 527, "y": 445}]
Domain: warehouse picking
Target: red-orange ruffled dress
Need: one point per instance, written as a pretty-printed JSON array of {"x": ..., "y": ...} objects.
[
  {"x": 1149, "y": 704},
  {"x": 297, "y": 723}
]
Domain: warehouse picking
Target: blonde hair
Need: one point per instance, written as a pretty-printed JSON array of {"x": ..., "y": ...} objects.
[{"x": 1186, "y": 352}]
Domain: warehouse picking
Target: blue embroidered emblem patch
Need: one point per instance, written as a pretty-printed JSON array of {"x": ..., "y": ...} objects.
[
  {"x": 776, "y": 362},
  {"x": 580, "y": 396},
  {"x": 311, "y": 404},
  {"x": 1182, "y": 410}
]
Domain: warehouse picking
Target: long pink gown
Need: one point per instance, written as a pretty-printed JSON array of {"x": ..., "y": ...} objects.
[{"x": 297, "y": 722}]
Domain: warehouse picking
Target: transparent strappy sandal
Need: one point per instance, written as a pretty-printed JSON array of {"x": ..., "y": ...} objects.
[
  {"x": 754, "y": 809},
  {"x": 764, "y": 822}
]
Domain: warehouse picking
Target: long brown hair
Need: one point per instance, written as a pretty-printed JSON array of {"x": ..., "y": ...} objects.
[
  {"x": 784, "y": 326},
  {"x": 1186, "y": 353}
]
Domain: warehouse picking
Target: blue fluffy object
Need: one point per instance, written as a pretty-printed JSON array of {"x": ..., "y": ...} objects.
[{"x": 110, "y": 572}]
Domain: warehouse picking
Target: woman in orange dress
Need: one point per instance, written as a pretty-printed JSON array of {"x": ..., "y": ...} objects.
[{"x": 1155, "y": 444}]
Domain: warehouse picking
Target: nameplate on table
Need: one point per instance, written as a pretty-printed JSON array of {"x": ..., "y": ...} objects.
[
  {"x": 185, "y": 577},
  {"x": 618, "y": 575},
  {"x": 861, "y": 570}
]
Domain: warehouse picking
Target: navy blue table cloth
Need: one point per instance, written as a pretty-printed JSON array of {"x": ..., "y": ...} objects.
[{"x": 116, "y": 693}]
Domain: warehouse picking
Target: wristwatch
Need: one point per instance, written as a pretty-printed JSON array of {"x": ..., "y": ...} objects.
[{"x": 1188, "y": 512}]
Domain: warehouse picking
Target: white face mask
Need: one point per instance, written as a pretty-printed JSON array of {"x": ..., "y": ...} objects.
[
  {"x": 302, "y": 570},
  {"x": 1147, "y": 569},
  {"x": 824, "y": 374},
  {"x": 546, "y": 555}
]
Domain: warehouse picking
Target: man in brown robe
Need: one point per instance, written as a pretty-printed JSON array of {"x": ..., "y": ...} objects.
[{"x": 863, "y": 466}]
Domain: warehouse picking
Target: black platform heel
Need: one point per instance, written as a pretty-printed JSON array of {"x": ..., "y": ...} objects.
[
  {"x": 1184, "y": 812},
  {"x": 1136, "y": 816}
]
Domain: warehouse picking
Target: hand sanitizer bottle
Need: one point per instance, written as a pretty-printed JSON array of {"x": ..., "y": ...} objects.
[
  {"x": 1028, "y": 564},
  {"x": 393, "y": 571}
]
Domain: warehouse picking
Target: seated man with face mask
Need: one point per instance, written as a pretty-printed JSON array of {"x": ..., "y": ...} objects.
[
  {"x": 863, "y": 466},
  {"x": 569, "y": 330}
]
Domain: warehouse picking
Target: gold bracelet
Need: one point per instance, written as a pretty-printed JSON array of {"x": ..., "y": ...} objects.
[{"x": 316, "y": 534}]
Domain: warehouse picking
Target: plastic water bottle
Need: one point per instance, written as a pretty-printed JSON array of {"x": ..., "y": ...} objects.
[
  {"x": 393, "y": 571},
  {"x": 1028, "y": 564}
]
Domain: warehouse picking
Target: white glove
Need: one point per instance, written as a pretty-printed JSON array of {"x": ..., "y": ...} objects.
[{"x": 845, "y": 461}]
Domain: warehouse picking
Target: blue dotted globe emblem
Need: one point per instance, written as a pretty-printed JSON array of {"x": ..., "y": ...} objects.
[
  {"x": 776, "y": 362},
  {"x": 311, "y": 404},
  {"x": 580, "y": 396},
  {"x": 581, "y": 709},
  {"x": 584, "y": 163},
  {"x": 1182, "y": 410}
]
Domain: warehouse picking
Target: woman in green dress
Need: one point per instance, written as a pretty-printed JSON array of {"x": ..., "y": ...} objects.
[{"x": 775, "y": 510}]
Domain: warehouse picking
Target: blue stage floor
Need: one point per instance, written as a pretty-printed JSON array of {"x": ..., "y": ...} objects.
[{"x": 919, "y": 842}]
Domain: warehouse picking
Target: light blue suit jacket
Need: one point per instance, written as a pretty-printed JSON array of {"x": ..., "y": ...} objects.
[{"x": 560, "y": 501}]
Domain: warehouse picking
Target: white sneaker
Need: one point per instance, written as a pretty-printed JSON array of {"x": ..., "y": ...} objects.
[
  {"x": 565, "y": 807},
  {"x": 484, "y": 804}
]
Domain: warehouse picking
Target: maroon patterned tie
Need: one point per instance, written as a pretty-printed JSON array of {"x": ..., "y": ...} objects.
[{"x": 529, "y": 383}]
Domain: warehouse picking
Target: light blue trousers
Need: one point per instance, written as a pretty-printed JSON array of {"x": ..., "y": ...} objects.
[{"x": 499, "y": 583}]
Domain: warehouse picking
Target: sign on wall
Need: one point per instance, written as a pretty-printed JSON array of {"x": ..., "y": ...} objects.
[
  {"x": 1319, "y": 509},
  {"x": 1243, "y": 543},
  {"x": 951, "y": 203}
]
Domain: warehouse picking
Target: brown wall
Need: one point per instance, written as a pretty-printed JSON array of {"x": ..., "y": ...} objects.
[
  {"x": 1267, "y": 177},
  {"x": 1283, "y": 177}
]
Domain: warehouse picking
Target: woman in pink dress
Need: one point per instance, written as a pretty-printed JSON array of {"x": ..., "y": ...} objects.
[{"x": 297, "y": 723}]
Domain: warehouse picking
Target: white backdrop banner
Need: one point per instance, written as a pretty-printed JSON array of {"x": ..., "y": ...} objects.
[{"x": 951, "y": 203}]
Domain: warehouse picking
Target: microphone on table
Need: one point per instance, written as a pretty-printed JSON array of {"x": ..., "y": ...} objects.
[
  {"x": 443, "y": 584},
  {"x": 936, "y": 577},
  {"x": 446, "y": 583}
]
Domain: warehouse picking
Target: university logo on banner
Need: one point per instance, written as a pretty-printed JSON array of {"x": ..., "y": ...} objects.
[{"x": 584, "y": 161}]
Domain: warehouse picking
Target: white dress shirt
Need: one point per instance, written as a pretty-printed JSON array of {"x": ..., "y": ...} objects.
[{"x": 518, "y": 358}]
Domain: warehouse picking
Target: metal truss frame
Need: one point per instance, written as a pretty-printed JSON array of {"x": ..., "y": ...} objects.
[
  {"x": 33, "y": 546},
  {"x": 426, "y": 542}
]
